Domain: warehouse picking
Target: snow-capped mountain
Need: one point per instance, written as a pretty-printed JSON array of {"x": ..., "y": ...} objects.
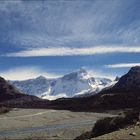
[{"x": 74, "y": 84}]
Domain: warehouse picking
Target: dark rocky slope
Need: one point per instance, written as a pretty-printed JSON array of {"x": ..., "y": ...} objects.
[
  {"x": 7, "y": 91},
  {"x": 130, "y": 81},
  {"x": 11, "y": 97}
]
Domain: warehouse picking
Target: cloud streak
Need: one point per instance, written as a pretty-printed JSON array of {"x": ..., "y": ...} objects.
[
  {"x": 67, "y": 51},
  {"x": 122, "y": 65}
]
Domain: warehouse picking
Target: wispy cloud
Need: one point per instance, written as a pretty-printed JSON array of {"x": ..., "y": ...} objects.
[
  {"x": 23, "y": 73},
  {"x": 66, "y": 51},
  {"x": 122, "y": 65}
]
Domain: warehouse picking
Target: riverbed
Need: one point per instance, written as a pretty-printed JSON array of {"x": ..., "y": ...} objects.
[{"x": 46, "y": 124}]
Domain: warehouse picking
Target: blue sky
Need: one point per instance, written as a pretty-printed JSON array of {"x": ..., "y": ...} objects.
[{"x": 55, "y": 37}]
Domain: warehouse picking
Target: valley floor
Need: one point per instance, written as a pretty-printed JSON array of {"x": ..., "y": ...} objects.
[{"x": 46, "y": 124}]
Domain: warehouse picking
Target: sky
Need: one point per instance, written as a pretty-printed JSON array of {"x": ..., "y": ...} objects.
[{"x": 55, "y": 37}]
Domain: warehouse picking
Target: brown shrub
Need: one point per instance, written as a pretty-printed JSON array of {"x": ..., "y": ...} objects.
[{"x": 4, "y": 110}]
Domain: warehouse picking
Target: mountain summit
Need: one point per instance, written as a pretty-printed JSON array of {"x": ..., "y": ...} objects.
[
  {"x": 73, "y": 84},
  {"x": 80, "y": 74}
]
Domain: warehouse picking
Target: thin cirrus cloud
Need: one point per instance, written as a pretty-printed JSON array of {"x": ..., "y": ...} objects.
[
  {"x": 67, "y": 51},
  {"x": 52, "y": 23},
  {"x": 100, "y": 73},
  {"x": 122, "y": 65}
]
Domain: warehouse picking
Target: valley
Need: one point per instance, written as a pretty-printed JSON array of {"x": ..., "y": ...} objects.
[{"x": 48, "y": 124}]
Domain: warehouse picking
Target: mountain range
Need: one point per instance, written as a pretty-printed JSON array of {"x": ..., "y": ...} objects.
[
  {"x": 73, "y": 84},
  {"x": 123, "y": 94}
]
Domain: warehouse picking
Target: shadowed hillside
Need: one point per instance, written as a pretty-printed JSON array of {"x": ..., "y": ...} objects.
[
  {"x": 7, "y": 91},
  {"x": 11, "y": 97}
]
